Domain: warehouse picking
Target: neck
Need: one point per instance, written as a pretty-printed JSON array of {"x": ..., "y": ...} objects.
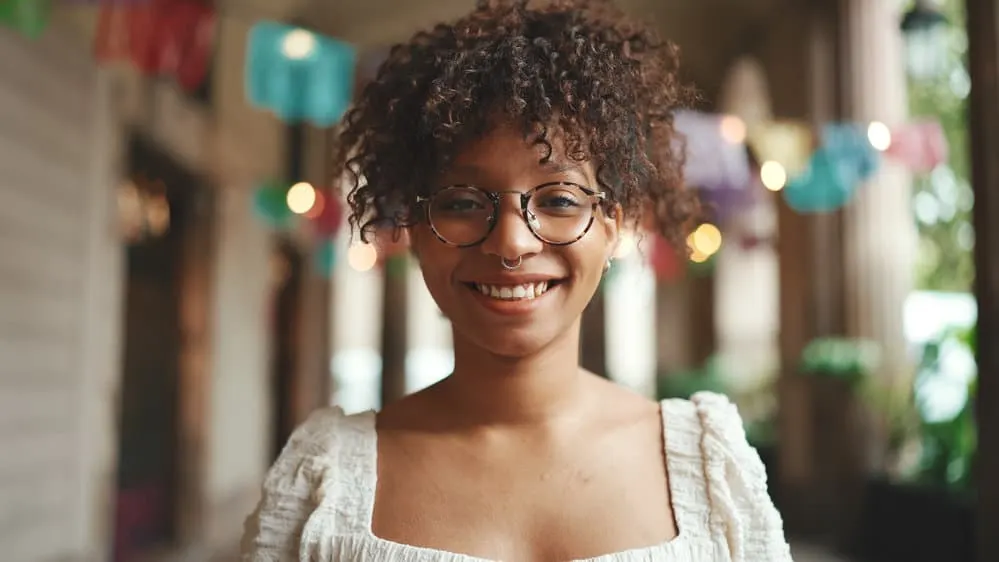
[{"x": 488, "y": 389}]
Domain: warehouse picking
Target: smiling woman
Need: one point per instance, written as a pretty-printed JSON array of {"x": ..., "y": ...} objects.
[{"x": 514, "y": 145}]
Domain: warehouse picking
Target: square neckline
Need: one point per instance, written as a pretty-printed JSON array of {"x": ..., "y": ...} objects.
[{"x": 671, "y": 441}]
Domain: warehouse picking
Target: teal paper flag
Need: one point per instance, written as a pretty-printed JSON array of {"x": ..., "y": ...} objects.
[
  {"x": 825, "y": 185},
  {"x": 848, "y": 145},
  {"x": 298, "y": 74},
  {"x": 836, "y": 170}
]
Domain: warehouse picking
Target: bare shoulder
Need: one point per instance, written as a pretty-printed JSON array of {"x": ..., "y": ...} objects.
[
  {"x": 623, "y": 403},
  {"x": 416, "y": 412}
]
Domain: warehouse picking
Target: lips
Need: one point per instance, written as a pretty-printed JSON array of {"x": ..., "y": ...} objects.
[{"x": 509, "y": 295}]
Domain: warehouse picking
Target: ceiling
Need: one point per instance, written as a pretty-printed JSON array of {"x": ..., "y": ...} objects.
[{"x": 710, "y": 33}]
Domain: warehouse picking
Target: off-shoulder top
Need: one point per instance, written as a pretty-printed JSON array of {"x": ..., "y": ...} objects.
[{"x": 318, "y": 497}]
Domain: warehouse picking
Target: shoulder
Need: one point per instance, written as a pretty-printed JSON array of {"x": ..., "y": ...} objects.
[
  {"x": 313, "y": 439},
  {"x": 722, "y": 425},
  {"x": 740, "y": 504},
  {"x": 314, "y": 445},
  {"x": 293, "y": 486},
  {"x": 713, "y": 417}
]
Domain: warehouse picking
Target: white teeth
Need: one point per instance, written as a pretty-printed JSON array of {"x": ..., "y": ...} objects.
[{"x": 513, "y": 292}]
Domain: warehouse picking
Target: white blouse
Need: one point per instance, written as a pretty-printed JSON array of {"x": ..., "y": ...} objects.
[{"x": 318, "y": 497}]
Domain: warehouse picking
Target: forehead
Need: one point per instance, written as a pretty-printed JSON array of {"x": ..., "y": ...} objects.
[{"x": 507, "y": 149}]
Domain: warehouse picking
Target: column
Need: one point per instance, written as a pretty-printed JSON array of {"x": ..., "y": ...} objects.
[
  {"x": 879, "y": 230},
  {"x": 983, "y": 58}
]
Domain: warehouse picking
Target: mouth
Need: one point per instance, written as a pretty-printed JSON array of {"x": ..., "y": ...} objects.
[{"x": 517, "y": 292}]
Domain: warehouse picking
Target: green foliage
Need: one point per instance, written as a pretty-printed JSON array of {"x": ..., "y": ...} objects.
[
  {"x": 684, "y": 384},
  {"x": 948, "y": 446},
  {"x": 943, "y": 198},
  {"x": 852, "y": 360},
  {"x": 760, "y": 429}
]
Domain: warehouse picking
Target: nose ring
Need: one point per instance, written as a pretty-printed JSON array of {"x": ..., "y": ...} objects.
[{"x": 510, "y": 266}]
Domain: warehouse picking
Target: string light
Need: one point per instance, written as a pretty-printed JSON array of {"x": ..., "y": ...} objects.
[
  {"x": 773, "y": 175},
  {"x": 298, "y": 44},
  {"x": 879, "y": 136},
  {"x": 707, "y": 239},
  {"x": 301, "y": 198},
  {"x": 362, "y": 257},
  {"x": 733, "y": 129},
  {"x": 704, "y": 242}
]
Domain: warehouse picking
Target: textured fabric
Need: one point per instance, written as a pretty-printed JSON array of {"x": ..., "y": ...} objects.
[{"x": 318, "y": 498}]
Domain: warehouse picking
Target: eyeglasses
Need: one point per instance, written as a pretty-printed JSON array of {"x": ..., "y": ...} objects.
[{"x": 557, "y": 213}]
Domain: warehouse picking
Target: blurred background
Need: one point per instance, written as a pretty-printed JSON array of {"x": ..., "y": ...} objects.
[{"x": 178, "y": 289}]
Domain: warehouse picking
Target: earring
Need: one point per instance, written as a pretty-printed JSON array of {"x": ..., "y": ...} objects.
[{"x": 607, "y": 265}]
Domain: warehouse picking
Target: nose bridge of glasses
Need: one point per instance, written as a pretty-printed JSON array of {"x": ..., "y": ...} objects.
[
  {"x": 510, "y": 236},
  {"x": 522, "y": 198}
]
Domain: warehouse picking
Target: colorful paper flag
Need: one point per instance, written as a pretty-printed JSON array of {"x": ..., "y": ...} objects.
[
  {"x": 29, "y": 17},
  {"x": 298, "y": 74}
]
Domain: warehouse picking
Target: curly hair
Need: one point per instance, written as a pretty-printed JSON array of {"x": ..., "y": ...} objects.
[{"x": 579, "y": 67}]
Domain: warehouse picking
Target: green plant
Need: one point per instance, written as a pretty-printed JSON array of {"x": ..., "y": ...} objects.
[
  {"x": 757, "y": 405},
  {"x": 848, "y": 359},
  {"x": 684, "y": 384},
  {"x": 892, "y": 402},
  {"x": 948, "y": 445}
]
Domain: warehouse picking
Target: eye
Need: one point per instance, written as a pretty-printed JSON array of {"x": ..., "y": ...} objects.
[
  {"x": 559, "y": 201},
  {"x": 459, "y": 204},
  {"x": 557, "y": 198},
  {"x": 460, "y": 201}
]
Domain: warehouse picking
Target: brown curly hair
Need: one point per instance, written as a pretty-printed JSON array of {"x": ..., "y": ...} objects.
[{"x": 577, "y": 66}]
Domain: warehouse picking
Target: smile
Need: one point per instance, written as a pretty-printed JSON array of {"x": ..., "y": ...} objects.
[{"x": 524, "y": 291}]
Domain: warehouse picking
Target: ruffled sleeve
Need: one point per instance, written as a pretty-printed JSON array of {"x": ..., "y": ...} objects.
[
  {"x": 273, "y": 533},
  {"x": 741, "y": 508}
]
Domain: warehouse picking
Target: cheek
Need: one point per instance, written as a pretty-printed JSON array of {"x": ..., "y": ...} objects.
[
  {"x": 437, "y": 263},
  {"x": 590, "y": 254}
]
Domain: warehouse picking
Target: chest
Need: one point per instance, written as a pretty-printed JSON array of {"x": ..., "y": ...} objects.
[{"x": 525, "y": 501}]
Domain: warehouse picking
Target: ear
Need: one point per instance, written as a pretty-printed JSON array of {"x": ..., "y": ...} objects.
[
  {"x": 415, "y": 239},
  {"x": 613, "y": 222}
]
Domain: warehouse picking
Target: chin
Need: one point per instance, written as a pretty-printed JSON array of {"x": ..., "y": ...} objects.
[{"x": 512, "y": 343}]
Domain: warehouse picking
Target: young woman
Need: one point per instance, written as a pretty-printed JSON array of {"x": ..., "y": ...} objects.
[{"x": 514, "y": 145}]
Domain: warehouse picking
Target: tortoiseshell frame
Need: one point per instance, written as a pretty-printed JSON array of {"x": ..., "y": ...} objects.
[{"x": 525, "y": 198}]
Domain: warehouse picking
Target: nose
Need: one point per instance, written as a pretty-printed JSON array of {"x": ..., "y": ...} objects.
[{"x": 511, "y": 238}]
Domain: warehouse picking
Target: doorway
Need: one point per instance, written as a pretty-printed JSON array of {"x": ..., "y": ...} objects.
[
  {"x": 286, "y": 301},
  {"x": 161, "y": 215}
]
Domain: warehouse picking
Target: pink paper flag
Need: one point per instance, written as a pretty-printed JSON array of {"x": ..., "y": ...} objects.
[{"x": 920, "y": 145}]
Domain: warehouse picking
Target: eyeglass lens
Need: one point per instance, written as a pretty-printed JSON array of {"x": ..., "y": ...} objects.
[{"x": 557, "y": 213}]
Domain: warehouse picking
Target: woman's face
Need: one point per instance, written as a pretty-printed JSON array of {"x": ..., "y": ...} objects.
[{"x": 517, "y": 312}]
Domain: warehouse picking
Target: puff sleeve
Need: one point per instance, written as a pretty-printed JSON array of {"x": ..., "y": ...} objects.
[
  {"x": 741, "y": 508},
  {"x": 273, "y": 532}
]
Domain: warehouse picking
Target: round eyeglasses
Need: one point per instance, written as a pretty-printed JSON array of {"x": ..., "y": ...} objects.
[{"x": 557, "y": 213}]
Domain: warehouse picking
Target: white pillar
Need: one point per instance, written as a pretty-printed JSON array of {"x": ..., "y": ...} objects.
[{"x": 880, "y": 233}]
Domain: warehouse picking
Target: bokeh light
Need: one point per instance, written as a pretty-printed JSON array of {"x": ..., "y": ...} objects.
[
  {"x": 362, "y": 257},
  {"x": 301, "y": 198},
  {"x": 773, "y": 175}
]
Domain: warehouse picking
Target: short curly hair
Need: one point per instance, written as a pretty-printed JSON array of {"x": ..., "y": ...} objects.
[{"x": 580, "y": 67}]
